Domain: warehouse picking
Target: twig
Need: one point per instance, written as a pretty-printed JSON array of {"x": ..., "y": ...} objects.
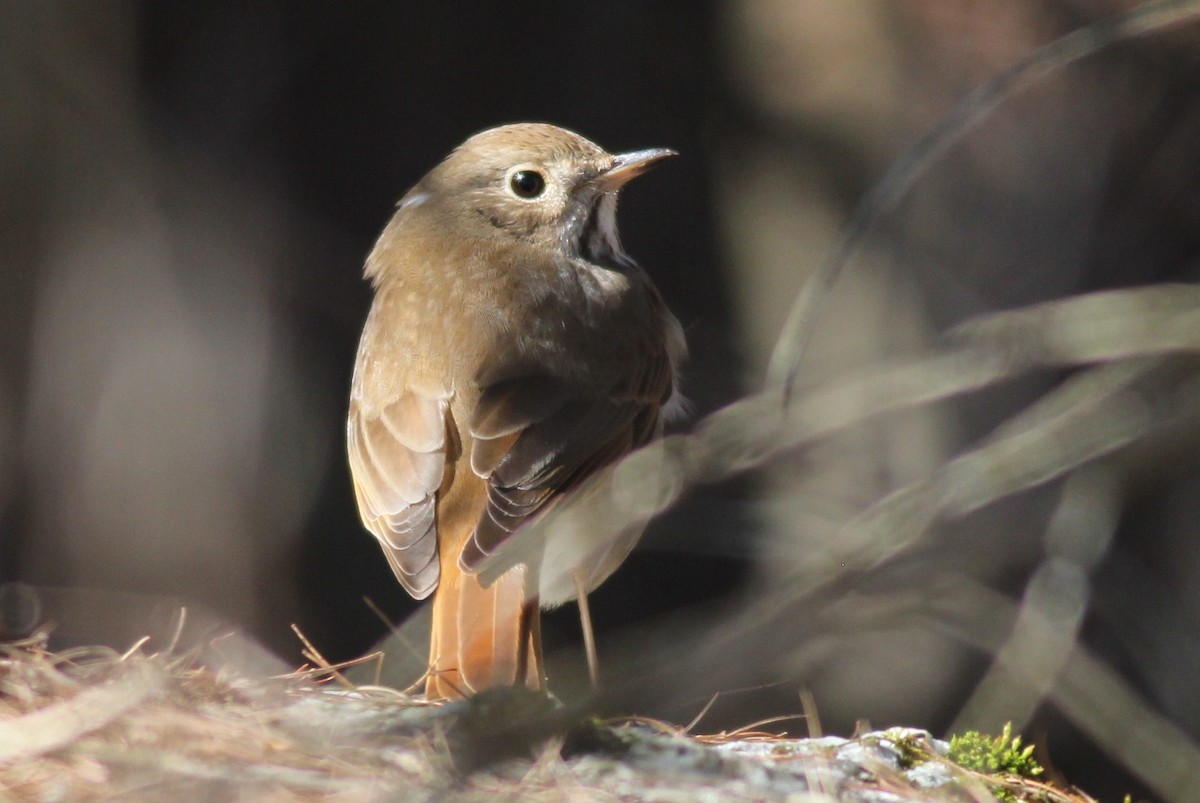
[{"x": 314, "y": 655}]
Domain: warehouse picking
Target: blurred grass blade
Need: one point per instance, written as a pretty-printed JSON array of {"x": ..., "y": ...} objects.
[
  {"x": 1110, "y": 325},
  {"x": 1088, "y": 416}
]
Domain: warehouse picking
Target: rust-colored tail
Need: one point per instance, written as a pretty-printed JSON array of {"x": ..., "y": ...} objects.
[{"x": 478, "y": 634}]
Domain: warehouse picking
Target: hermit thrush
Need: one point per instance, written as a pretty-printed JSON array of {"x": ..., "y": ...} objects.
[{"x": 512, "y": 349}]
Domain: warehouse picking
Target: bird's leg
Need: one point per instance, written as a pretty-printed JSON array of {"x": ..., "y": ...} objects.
[
  {"x": 535, "y": 635},
  {"x": 530, "y": 635},
  {"x": 589, "y": 638}
]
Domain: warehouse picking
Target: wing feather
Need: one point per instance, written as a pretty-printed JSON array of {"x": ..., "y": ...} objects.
[
  {"x": 398, "y": 459},
  {"x": 548, "y": 456}
]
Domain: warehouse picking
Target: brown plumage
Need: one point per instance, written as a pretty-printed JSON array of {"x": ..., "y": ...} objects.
[{"x": 511, "y": 350}]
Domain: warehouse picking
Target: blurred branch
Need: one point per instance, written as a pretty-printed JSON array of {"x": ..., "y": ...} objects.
[
  {"x": 1149, "y": 17},
  {"x": 1046, "y": 626},
  {"x": 1090, "y": 693}
]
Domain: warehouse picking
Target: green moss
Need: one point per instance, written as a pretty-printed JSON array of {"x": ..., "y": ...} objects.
[{"x": 1002, "y": 755}]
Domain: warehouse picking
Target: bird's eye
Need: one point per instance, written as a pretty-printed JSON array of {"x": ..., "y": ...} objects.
[{"x": 527, "y": 183}]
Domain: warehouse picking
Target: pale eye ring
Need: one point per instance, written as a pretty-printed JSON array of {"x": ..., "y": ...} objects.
[{"x": 527, "y": 183}]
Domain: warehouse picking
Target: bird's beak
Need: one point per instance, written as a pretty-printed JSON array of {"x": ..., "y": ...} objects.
[{"x": 627, "y": 166}]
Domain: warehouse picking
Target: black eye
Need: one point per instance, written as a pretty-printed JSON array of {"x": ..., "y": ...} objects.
[{"x": 527, "y": 183}]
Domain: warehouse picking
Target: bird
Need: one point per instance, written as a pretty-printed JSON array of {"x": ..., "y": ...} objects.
[{"x": 512, "y": 349}]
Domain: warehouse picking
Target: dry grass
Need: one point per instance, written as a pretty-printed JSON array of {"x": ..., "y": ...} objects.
[{"x": 95, "y": 724}]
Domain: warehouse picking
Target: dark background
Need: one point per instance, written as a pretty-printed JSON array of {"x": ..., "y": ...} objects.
[{"x": 190, "y": 190}]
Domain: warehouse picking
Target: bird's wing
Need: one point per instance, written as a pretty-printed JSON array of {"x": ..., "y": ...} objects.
[
  {"x": 398, "y": 458},
  {"x": 535, "y": 437}
]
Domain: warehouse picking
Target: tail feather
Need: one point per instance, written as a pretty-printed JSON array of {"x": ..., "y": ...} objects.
[{"x": 478, "y": 633}]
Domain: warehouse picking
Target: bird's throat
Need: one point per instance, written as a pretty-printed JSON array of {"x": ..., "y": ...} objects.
[{"x": 596, "y": 239}]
